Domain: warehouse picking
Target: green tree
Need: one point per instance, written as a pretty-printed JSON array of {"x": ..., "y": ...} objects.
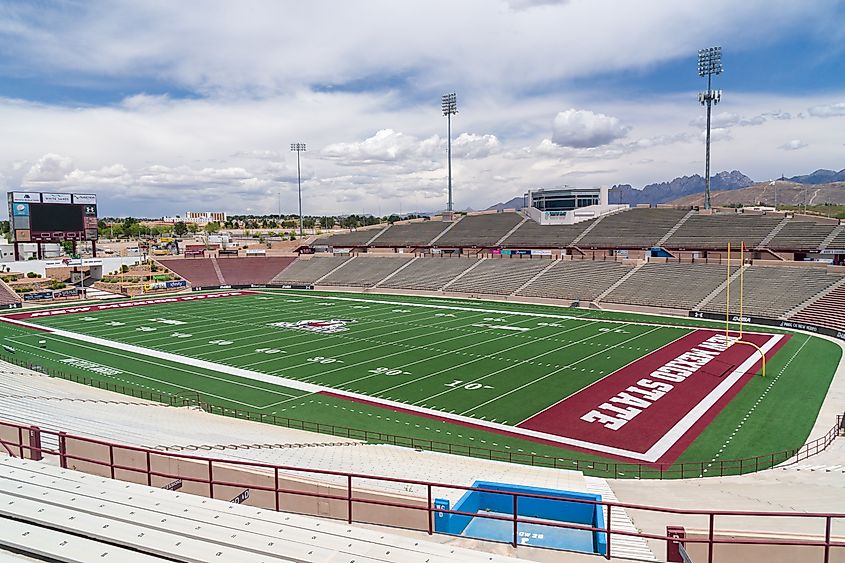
[
  {"x": 180, "y": 229},
  {"x": 192, "y": 228},
  {"x": 212, "y": 227}
]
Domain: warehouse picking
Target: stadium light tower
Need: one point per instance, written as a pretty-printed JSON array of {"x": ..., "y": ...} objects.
[
  {"x": 709, "y": 63},
  {"x": 298, "y": 148},
  {"x": 449, "y": 104}
]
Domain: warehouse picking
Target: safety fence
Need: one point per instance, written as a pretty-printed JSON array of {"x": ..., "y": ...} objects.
[{"x": 272, "y": 487}]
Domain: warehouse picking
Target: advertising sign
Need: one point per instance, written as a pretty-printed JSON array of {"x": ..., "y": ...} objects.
[
  {"x": 85, "y": 198},
  {"x": 56, "y": 198},
  {"x": 38, "y": 296},
  {"x": 26, "y": 197}
]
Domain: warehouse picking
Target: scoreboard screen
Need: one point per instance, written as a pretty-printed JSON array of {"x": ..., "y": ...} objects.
[{"x": 52, "y": 217}]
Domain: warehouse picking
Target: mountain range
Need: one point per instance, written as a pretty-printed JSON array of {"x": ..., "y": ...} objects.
[{"x": 665, "y": 192}]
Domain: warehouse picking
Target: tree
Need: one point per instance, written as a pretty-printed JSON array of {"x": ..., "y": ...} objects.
[
  {"x": 212, "y": 227},
  {"x": 180, "y": 229},
  {"x": 67, "y": 247},
  {"x": 192, "y": 228}
]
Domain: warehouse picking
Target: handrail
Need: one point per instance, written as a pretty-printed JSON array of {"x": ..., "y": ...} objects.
[
  {"x": 351, "y": 499},
  {"x": 595, "y": 467}
]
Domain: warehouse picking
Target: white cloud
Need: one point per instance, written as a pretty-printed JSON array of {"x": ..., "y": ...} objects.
[
  {"x": 828, "y": 110},
  {"x": 584, "y": 129},
  {"x": 49, "y": 168},
  {"x": 793, "y": 145}
]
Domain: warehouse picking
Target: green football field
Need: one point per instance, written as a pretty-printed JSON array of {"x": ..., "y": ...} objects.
[{"x": 458, "y": 372}]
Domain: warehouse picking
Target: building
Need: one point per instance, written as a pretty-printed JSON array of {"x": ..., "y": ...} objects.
[
  {"x": 567, "y": 206},
  {"x": 198, "y": 217}
]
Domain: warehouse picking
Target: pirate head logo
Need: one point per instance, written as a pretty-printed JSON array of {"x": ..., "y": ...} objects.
[{"x": 320, "y": 326}]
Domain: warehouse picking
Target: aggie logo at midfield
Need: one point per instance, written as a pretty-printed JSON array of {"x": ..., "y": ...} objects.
[{"x": 324, "y": 327}]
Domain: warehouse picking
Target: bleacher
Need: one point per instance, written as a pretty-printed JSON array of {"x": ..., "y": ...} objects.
[
  {"x": 773, "y": 291},
  {"x": 634, "y": 228},
  {"x": 480, "y": 230},
  {"x": 715, "y": 231},
  {"x": 534, "y": 235},
  {"x": 198, "y": 271},
  {"x": 673, "y": 285},
  {"x": 576, "y": 280},
  {"x": 499, "y": 276},
  {"x": 411, "y": 234},
  {"x": 8, "y": 295},
  {"x": 838, "y": 241},
  {"x": 801, "y": 234},
  {"x": 256, "y": 270},
  {"x": 350, "y": 239},
  {"x": 365, "y": 271},
  {"x": 828, "y": 311},
  {"x": 307, "y": 271},
  {"x": 429, "y": 273}
]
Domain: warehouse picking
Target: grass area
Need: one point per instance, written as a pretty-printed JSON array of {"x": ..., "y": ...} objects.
[{"x": 490, "y": 361}]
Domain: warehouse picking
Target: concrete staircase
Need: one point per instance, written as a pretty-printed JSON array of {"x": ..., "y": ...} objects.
[
  {"x": 674, "y": 229},
  {"x": 773, "y": 233},
  {"x": 814, "y": 298},
  {"x": 321, "y": 278},
  {"x": 377, "y": 235},
  {"x": 832, "y": 236},
  {"x": 712, "y": 295},
  {"x": 462, "y": 274},
  {"x": 446, "y": 230},
  {"x": 218, "y": 271},
  {"x": 510, "y": 232},
  {"x": 402, "y": 267},
  {"x": 587, "y": 230},
  {"x": 537, "y": 275},
  {"x": 619, "y": 282}
]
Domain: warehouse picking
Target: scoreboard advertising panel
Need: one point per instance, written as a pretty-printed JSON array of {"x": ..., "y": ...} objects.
[{"x": 52, "y": 217}]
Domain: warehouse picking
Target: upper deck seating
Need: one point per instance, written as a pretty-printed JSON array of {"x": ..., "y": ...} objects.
[
  {"x": 480, "y": 230},
  {"x": 634, "y": 228},
  {"x": 801, "y": 234},
  {"x": 411, "y": 234},
  {"x": 534, "y": 235},
  {"x": 715, "y": 231}
]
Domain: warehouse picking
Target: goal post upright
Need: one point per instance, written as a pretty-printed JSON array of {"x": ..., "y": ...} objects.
[{"x": 739, "y": 339}]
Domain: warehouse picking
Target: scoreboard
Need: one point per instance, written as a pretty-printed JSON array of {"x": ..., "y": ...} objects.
[{"x": 52, "y": 217}]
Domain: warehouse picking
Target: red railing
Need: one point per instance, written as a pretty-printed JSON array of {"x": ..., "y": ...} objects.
[{"x": 712, "y": 539}]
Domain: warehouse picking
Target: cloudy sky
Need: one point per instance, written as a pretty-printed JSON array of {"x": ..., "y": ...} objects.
[{"x": 163, "y": 107}]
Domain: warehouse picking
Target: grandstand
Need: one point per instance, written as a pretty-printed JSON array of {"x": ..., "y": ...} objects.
[
  {"x": 484, "y": 230},
  {"x": 800, "y": 234},
  {"x": 428, "y": 274},
  {"x": 673, "y": 286},
  {"x": 203, "y": 272},
  {"x": 411, "y": 235},
  {"x": 8, "y": 297},
  {"x": 499, "y": 276},
  {"x": 773, "y": 291},
  {"x": 356, "y": 238},
  {"x": 308, "y": 271},
  {"x": 635, "y": 228},
  {"x": 827, "y": 310},
  {"x": 534, "y": 235},
  {"x": 364, "y": 272},
  {"x": 575, "y": 280},
  {"x": 715, "y": 231}
]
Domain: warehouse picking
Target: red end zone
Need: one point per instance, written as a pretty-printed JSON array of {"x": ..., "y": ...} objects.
[{"x": 659, "y": 404}]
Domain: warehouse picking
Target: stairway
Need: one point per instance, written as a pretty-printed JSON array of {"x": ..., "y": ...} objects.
[
  {"x": 712, "y": 295},
  {"x": 321, "y": 278},
  {"x": 510, "y": 232},
  {"x": 773, "y": 233},
  {"x": 832, "y": 236},
  {"x": 537, "y": 275},
  {"x": 377, "y": 235},
  {"x": 674, "y": 229},
  {"x": 218, "y": 271},
  {"x": 462, "y": 274},
  {"x": 587, "y": 230},
  {"x": 402, "y": 267},
  {"x": 619, "y": 282},
  {"x": 446, "y": 230},
  {"x": 813, "y": 299}
]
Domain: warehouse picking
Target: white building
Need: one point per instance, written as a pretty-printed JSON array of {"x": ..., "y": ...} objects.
[
  {"x": 567, "y": 206},
  {"x": 198, "y": 217}
]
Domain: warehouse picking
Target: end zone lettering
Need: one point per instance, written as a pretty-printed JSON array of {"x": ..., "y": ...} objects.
[{"x": 623, "y": 407}]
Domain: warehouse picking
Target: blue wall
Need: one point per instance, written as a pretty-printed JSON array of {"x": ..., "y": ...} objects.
[{"x": 559, "y": 510}]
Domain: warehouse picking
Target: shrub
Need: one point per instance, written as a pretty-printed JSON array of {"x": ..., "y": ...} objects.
[{"x": 32, "y": 275}]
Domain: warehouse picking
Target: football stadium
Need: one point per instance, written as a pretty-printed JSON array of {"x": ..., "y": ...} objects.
[{"x": 338, "y": 354}]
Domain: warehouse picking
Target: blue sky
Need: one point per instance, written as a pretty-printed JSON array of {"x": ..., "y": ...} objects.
[{"x": 161, "y": 108}]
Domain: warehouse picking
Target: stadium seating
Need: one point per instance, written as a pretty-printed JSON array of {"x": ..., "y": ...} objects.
[
  {"x": 715, "y": 231},
  {"x": 675, "y": 286},
  {"x": 7, "y": 295},
  {"x": 576, "y": 280},
  {"x": 773, "y": 291},
  {"x": 310, "y": 270},
  {"x": 828, "y": 311},
  {"x": 800, "y": 234},
  {"x": 534, "y": 235},
  {"x": 429, "y": 273},
  {"x": 256, "y": 270},
  {"x": 364, "y": 271},
  {"x": 635, "y": 228},
  {"x": 350, "y": 239},
  {"x": 198, "y": 271},
  {"x": 499, "y": 276},
  {"x": 480, "y": 230},
  {"x": 838, "y": 241},
  {"x": 411, "y": 234}
]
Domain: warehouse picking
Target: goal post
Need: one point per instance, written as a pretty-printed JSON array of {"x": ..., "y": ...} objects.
[{"x": 739, "y": 339}]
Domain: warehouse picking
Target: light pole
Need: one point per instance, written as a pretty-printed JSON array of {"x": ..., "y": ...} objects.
[
  {"x": 709, "y": 63},
  {"x": 449, "y": 104},
  {"x": 298, "y": 148}
]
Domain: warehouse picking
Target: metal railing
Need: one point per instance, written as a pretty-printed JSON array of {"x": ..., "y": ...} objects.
[
  {"x": 595, "y": 467},
  {"x": 711, "y": 540}
]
